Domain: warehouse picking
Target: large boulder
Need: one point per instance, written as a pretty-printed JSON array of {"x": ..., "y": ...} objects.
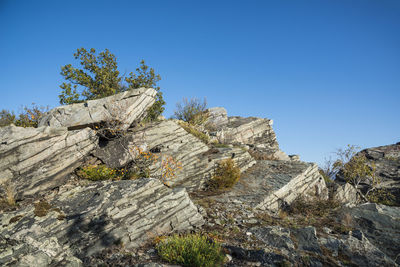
[
  {"x": 168, "y": 138},
  {"x": 38, "y": 159},
  {"x": 85, "y": 220},
  {"x": 217, "y": 118},
  {"x": 124, "y": 108}
]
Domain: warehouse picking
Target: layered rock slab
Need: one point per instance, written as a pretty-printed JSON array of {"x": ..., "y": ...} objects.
[
  {"x": 167, "y": 138},
  {"x": 270, "y": 185},
  {"x": 38, "y": 159},
  {"x": 124, "y": 108},
  {"x": 85, "y": 220}
]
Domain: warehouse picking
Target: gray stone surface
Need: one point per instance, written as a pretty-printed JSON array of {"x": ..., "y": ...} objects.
[
  {"x": 167, "y": 138},
  {"x": 381, "y": 225},
  {"x": 270, "y": 184},
  {"x": 126, "y": 107},
  {"x": 38, "y": 159},
  {"x": 217, "y": 117},
  {"x": 346, "y": 194},
  {"x": 86, "y": 220}
]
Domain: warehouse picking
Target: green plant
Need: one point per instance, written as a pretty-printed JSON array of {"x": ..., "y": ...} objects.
[
  {"x": 382, "y": 196},
  {"x": 101, "y": 172},
  {"x": 353, "y": 167},
  {"x": 100, "y": 77},
  {"x": 29, "y": 117},
  {"x": 194, "y": 131},
  {"x": 190, "y": 250},
  {"x": 147, "y": 78},
  {"x": 193, "y": 111},
  {"x": 226, "y": 175}
]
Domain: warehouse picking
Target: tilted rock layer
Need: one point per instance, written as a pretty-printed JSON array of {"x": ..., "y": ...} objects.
[
  {"x": 37, "y": 159},
  {"x": 125, "y": 108},
  {"x": 167, "y": 138},
  {"x": 85, "y": 220}
]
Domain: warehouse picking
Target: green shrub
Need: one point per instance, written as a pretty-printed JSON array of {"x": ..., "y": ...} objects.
[
  {"x": 28, "y": 118},
  {"x": 102, "y": 172},
  {"x": 191, "y": 250},
  {"x": 100, "y": 77},
  {"x": 382, "y": 196},
  {"x": 193, "y": 111},
  {"x": 192, "y": 130},
  {"x": 226, "y": 175}
]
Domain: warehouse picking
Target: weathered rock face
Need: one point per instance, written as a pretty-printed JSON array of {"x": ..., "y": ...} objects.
[
  {"x": 346, "y": 194},
  {"x": 38, "y": 159},
  {"x": 217, "y": 117},
  {"x": 126, "y": 107},
  {"x": 269, "y": 185},
  {"x": 254, "y": 132},
  {"x": 387, "y": 162},
  {"x": 85, "y": 220},
  {"x": 167, "y": 138},
  {"x": 381, "y": 225}
]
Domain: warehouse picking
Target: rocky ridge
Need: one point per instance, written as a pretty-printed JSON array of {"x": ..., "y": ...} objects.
[{"x": 264, "y": 220}]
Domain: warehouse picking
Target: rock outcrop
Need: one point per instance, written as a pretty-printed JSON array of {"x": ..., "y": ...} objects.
[
  {"x": 124, "y": 108},
  {"x": 85, "y": 220},
  {"x": 167, "y": 138},
  {"x": 271, "y": 185},
  {"x": 34, "y": 160},
  {"x": 387, "y": 162}
]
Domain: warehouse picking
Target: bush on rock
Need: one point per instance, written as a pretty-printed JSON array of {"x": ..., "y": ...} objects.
[{"x": 191, "y": 250}]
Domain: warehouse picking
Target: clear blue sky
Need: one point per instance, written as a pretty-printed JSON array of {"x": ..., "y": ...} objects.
[{"x": 327, "y": 72}]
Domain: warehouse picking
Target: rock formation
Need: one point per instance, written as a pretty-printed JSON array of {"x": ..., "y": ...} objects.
[
  {"x": 125, "y": 108},
  {"x": 84, "y": 220},
  {"x": 278, "y": 214},
  {"x": 38, "y": 159}
]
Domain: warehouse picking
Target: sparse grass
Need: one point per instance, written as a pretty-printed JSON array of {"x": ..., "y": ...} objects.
[
  {"x": 226, "y": 175},
  {"x": 192, "y": 130},
  {"x": 7, "y": 201},
  {"x": 219, "y": 145},
  {"x": 190, "y": 250}
]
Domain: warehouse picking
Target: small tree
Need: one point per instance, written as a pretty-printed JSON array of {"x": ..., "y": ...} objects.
[
  {"x": 28, "y": 118},
  {"x": 353, "y": 167},
  {"x": 100, "y": 78}
]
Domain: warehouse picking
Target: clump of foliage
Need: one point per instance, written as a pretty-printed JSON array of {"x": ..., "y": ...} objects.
[
  {"x": 226, "y": 175},
  {"x": 191, "y": 250},
  {"x": 193, "y": 111},
  {"x": 355, "y": 169},
  {"x": 101, "y": 172},
  {"x": 194, "y": 131},
  {"x": 99, "y": 77},
  {"x": 382, "y": 196},
  {"x": 29, "y": 117}
]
